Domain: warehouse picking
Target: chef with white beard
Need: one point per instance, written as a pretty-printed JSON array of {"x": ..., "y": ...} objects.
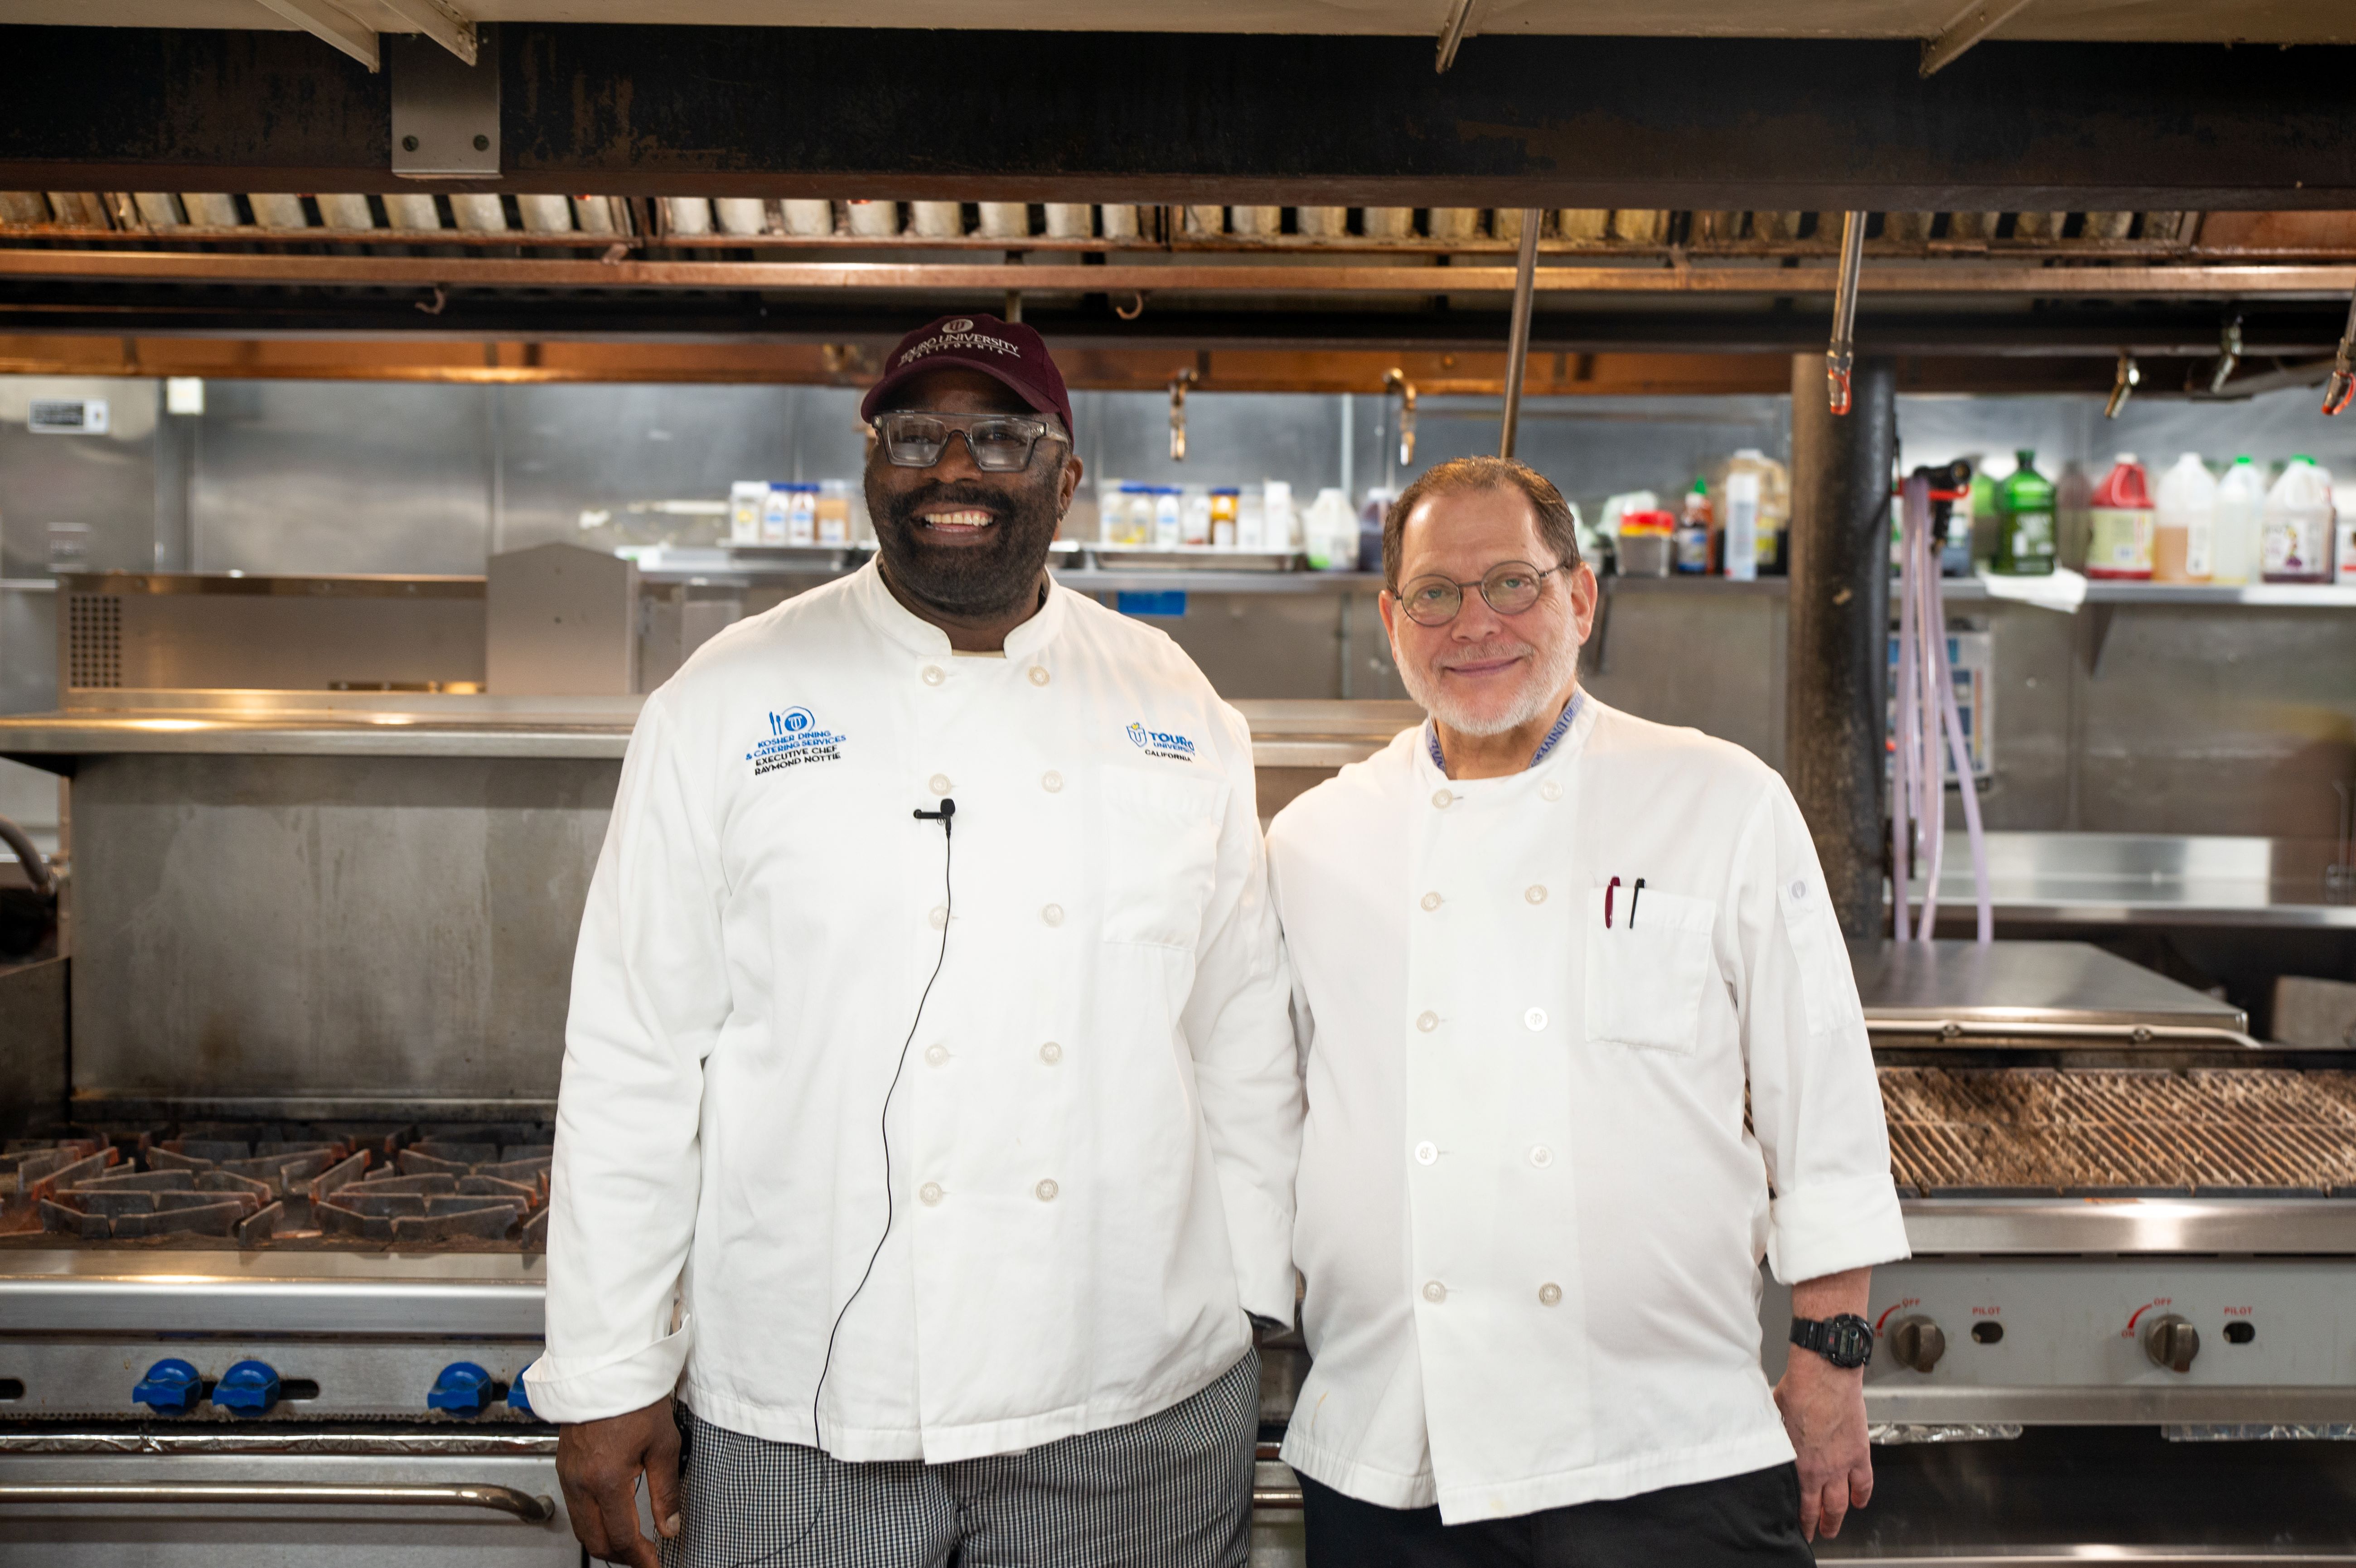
[
  {"x": 1582, "y": 1045},
  {"x": 929, "y": 1109}
]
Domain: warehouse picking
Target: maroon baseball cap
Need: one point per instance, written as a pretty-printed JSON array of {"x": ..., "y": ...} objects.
[{"x": 1005, "y": 350}]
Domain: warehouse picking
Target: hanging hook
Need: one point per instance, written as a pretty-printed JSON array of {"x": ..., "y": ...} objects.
[
  {"x": 1136, "y": 308},
  {"x": 2123, "y": 386},
  {"x": 1840, "y": 358},
  {"x": 1395, "y": 380},
  {"x": 1178, "y": 385},
  {"x": 440, "y": 299},
  {"x": 2341, "y": 387}
]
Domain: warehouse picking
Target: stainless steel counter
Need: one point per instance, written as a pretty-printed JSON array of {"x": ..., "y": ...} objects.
[
  {"x": 1285, "y": 734},
  {"x": 2029, "y": 991}
]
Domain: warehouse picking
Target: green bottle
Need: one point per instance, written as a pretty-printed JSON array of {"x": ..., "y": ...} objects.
[{"x": 2024, "y": 523}]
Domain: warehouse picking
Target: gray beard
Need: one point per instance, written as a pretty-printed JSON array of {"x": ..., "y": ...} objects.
[{"x": 1548, "y": 675}]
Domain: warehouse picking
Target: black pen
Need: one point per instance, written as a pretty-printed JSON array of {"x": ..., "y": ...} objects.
[{"x": 1633, "y": 893}]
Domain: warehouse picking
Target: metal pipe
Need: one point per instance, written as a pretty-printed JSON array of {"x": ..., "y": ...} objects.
[
  {"x": 281, "y": 1494},
  {"x": 1178, "y": 385},
  {"x": 2123, "y": 385},
  {"x": 1837, "y": 664},
  {"x": 2225, "y": 282},
  {"x": 1395, "y": 380},
  {"x": 1841, "y": 358},
  {"x": 1518, "y": 341},
  {"x": 1452, "y": 31},
  {"x": 37, "y": 866}
]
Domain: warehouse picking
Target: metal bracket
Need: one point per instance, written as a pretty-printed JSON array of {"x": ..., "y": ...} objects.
[
  {"x": 1972, "y": 23},
  {"x": 2123, "y": 385},
  {"x": 1395, "y": 380},
  {"x": 2229, "y": 355},
  {"x": 445, "y": 24},
  {"x": 331, "y": 26},
  {"x": 1453, "y": 30},
  {"x": 2341, "y": 387},
  {"x": 1178, "y": 385},
  {"x": 445, "y": 112},
  {"x": 1840, "y": 359}
]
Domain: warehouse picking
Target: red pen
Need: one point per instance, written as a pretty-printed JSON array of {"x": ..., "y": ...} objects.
[{"x": 1607, "y": 902}]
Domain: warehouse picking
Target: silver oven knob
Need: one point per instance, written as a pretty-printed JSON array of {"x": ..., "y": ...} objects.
[
  {"x": 1917, "y": 1342},
  {"x": 2171, "y": 1342}
]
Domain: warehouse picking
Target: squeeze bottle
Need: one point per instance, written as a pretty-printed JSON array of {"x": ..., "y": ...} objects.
[
  {"x": 2241, "y": 512},
  {"x": 2185, "y": 524},
  {"x": 2118, "y": 523}
]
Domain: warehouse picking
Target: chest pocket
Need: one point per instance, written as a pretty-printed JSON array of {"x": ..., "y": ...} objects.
[
  {"x": 1647, "y": 970},
  {"x": 1160, "y": 837}
]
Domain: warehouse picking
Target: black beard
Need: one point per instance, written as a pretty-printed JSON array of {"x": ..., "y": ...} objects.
[{"x": 961, "y": 580}]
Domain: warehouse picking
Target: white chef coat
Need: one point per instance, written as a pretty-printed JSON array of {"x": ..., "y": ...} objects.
[
  {"x": 1531, "y": 1210},
  {"x": 1093, "y": 1138}
]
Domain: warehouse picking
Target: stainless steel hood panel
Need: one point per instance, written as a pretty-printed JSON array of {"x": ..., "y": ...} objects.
[{"x": 2112, "y": 1226}]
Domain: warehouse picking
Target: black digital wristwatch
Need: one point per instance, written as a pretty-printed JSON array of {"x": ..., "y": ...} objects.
[{"x": 1846, "y": 1341}]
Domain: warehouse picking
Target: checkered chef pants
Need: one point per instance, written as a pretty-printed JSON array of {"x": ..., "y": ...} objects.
[{"x": 1173, "y": 1490}]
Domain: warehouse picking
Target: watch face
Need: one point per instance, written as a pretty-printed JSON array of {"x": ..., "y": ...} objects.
[{"x": 1849, "y": 1342}]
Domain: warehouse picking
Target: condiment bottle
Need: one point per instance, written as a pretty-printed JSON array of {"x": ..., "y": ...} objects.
[{"x": 2024, "y": 522}]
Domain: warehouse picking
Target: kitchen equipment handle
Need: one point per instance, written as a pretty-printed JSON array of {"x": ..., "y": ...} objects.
[
  {"x": 1280, "y": 1499},
  {"x": 501, "y": 1500}
]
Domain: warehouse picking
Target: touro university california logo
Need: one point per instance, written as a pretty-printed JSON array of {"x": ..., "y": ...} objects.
[
  {"x": 1159, "y": 743},
  {"x": 793, "y": 738}
]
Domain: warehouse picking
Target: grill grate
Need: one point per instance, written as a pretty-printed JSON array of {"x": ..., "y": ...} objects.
[{"x": 2049, "y": 1129}]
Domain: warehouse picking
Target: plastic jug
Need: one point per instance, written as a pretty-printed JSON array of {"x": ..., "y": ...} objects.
[
  {"x": 2119, "y": 523},
  {"x": 2184, "y": 541},
  {"x": 2241, "y": 515},
  {"x": 1757, "y": 504},
  {"x": 2296, "y": 542}
]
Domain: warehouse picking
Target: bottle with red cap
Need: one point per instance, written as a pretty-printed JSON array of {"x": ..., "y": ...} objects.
[{"x": 2119, "y": 521}]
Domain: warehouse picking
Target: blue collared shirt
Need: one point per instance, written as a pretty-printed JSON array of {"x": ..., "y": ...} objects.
[{"x": 1561, "y": 728}]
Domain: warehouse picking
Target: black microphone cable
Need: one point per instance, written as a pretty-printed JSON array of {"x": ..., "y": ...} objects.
[{"x": 946, "y": 817}]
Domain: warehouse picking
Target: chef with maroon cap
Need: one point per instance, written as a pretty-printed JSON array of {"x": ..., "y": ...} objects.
[{"x": 930, "y": 1107}]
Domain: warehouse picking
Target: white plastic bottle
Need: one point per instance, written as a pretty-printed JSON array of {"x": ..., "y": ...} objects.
[
  {"x": 2184, "y": 538},
  {"x": 1742, "y": 493},
  {"x": 2240, "y": 514},
  {"x": 2299, "y": 514}
]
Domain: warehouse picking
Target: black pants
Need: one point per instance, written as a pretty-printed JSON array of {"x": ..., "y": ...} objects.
[{"x": 1745, "y": 1520}]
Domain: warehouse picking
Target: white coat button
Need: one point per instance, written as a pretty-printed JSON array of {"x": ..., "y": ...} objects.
[
  {"x": 939, "y": 916},
  {"x": 1549, "y": 790},
  {"x": 1549, "y": 1296},
  {"x": 1428, "y": 1022},
  {"x": 1051, "y": 782},
  {"x": 930, "y": 1192},
  {"x": 1799, "y": 891},
  {"x": 1427, "y": 1153},
  {"x": 1038, "y": 675},
  {"x": 1535, "y": 1017},
  {"x": 1048, "y": 1190},
  {"x": 938, "y": 784},
  {"x": 1434, "y": 1291},
  {"x": 937, "y": 1055},
  {"x": 1542, "y": 1156},
  {"x": 1535, "y": 893},
  {"x": 1053, "y": 914},
  {"x": 1441, "y": 798},
  {"x": 1431, "y": 900},
  {"x": 934, "y": 675},
  {"x": 1051, "y": 1053}
]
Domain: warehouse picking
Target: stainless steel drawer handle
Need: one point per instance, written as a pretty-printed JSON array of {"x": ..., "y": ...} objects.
[
  {"x": 1277, "y": 1499},
  {"x": 501, "y": 1500}
]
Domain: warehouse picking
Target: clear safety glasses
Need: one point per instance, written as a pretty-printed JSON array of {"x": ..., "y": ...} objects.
[
  {"x": 1509, "y": 587},
  {"x": 1001, "y": 443}
]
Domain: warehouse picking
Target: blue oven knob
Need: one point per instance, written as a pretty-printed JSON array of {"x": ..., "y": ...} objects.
[
  {"x": 517, "y": 1398},
  {"x": 171, "y": 1387},
  {"x": 249, "y": 1388},
  {"x": 462, "y": 1389}
]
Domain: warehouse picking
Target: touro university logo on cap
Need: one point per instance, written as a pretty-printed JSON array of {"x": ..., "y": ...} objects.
[
  {"x": 793, "y": 737},
  {"x": 1006, "y": 351},
  {"x": 1159, "y": 743}
]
